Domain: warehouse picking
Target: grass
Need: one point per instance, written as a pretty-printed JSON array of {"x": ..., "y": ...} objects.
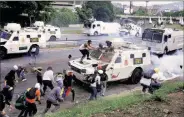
[
  {"x": 117, "y": 102},
  {"x": 72, "y": 32},
  {"x": 175, "y": 26}
]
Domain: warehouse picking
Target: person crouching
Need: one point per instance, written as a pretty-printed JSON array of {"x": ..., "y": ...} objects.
[{"x": 55, "y": 96}]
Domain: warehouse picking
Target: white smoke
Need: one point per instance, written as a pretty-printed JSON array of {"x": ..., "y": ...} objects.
[{"x": 169, "y": 65}]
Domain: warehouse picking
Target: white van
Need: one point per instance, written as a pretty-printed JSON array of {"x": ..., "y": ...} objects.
[
  {"x": 12, "y": 42},
  {"x": 161, "y": 41},
  {"x": 125, "y": 62},
  {"x": 100, "y": 28}
]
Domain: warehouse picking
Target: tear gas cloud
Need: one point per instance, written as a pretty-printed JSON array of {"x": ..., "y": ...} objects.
[{"x": 169, "y": 65}]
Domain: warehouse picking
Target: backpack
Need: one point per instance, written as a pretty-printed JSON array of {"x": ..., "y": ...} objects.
[
  {"x": 103, "y": 77},
  {"x": 31, "y": 93},
  {"x": 20, "y": 103}
]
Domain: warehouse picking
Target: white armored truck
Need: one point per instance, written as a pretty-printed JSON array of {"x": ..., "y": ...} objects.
[
  {"x": 126, "y": 61},
  {"x": 161, "y": 41},
  {"x": 52, "y": 32},
  {"x": 15, "y": 41}
]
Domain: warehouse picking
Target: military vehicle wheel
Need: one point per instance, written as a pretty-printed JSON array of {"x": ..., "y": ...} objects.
[
  {"x": 96, "y": 33},
  {"x": 2, "y": 54},
  {"x": 136, "y": 76},
  {"x": 52, "y": 38},
  {"x": 36, "y": 52},
  {"x": 165, "y": 51}
]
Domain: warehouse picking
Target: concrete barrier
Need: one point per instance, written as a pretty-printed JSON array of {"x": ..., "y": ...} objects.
[{"x": 76, "y": 25}]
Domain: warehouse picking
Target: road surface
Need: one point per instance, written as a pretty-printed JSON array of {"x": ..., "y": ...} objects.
[{"x": 58, "y": 59}]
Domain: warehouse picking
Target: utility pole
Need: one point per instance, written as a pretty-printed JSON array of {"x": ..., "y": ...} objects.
[
  {"x": 146, "y": 10},
  {"x": 130, "y": 7}
]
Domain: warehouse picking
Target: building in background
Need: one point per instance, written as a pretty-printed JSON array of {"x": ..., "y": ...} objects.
[{"x": 67, "y": 4}]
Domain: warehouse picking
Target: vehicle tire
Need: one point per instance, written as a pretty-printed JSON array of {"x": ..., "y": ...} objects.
[
  {"x": 165, "y": 51},
  {"x": 95, "y": 33},
  {"x": 52, "y": 38},
  {"x": 37, "y": 50},
  {"x": 136, "y": 76},
  {"x": 88, "y": 34},
  {"x": 2, "y": 54}
]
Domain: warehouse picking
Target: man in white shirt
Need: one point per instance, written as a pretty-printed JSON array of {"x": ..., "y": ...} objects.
[
  {"x": 48, "y": 78},
  {"x": 93, "y": 85},
  {"x": 84, "y": 49}
]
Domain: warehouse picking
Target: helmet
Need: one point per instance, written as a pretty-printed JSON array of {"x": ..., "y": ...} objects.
[
  {"x": 156, "y": 70},
  {"x": 15, "y": 67},
  {"x": 100, "y": 71},
  {"x": 37, "y": 85}
]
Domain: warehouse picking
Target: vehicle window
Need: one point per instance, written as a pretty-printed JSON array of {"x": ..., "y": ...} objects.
[
  {"x": 147, "y": 36},
  {"x": 15, "y": 38},
  {"x": 118, "y": 60},
  {"x": 107, "y": 56},
  {"x": 98, "y": 25},
  {"x": 28, "y": 36},
  {"x": 4, "y": 35},
  {"x": 96, "y": 54},
  {"x": 157, "y": 38},
  {"x": 93, "y": 25}
]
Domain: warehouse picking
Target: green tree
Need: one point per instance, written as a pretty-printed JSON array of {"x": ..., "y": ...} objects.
[
  {"x": 105, "y": 6},
  {"x": 63, "y": 17},
  {"x": 101, "y": 10},
  {"x": 140, "y": 12}
]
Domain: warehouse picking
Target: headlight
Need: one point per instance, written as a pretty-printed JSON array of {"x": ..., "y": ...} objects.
[{"x": 83, "y": 70}]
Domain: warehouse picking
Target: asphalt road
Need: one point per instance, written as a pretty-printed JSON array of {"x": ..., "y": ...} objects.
[{"x": 58, "y": 59}]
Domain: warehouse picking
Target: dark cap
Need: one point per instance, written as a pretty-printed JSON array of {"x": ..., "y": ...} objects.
[{"x": 89, "y": 41}]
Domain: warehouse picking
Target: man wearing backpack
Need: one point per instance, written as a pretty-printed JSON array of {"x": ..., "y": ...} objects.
[
  {"x": 31, "y": 95},
  {"x": 103, "y": 81}
]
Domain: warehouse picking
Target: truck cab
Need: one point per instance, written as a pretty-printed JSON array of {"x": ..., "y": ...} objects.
[
  {"x": 125, "y": 62},
  {"x": 15, "y": 42},
  {"x": 161, "y": 41}
]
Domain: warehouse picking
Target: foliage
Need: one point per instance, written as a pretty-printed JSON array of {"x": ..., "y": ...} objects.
[
  {"x": 32, "y": 8},
  {"x": 174, "y": 14},
  {"x": 63, "y": 17},
  {"x": 100, "y": 10},
  {"x": 84, "y": 13},
  {"x": 140, "y": 12},
  {"x": 122, "y": 101},
  {"x": 118, "y": 11}
]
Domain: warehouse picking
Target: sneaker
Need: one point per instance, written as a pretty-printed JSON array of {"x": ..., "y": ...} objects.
[
  {"x": 81, "y": 62},
  {"x": 88, "y": 58},
  {"x": 24, "y": 80}
]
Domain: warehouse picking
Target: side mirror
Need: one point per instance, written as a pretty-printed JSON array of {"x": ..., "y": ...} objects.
[{"x": 94, "y": 65}]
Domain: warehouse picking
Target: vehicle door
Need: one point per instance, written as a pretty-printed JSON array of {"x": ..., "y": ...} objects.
[
  {"x": 116, "y": 69},
  {"x": 24, "y": 43},
  {"x": 13, "y": 44},
  {"x": 98, "y": 29},
  {"x": 170, "y": 42}
]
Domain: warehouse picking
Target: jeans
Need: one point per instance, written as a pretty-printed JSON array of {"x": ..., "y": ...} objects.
[
  {"x": 47, "y": 83},
  {"x": 49, "y": 104},
  {"x": 154, "y": 86},
  {"x": 31, "y": 109},
  {"x": 93, "y": 93},
  {"x": 84, "y": 53},
  {"x": 103, "y": 87}
]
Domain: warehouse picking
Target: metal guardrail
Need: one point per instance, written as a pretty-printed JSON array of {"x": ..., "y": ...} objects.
[{"x": 131, "y": 16}]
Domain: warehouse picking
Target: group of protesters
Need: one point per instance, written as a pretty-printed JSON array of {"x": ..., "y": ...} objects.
[{"x": 26, "y": 101}]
